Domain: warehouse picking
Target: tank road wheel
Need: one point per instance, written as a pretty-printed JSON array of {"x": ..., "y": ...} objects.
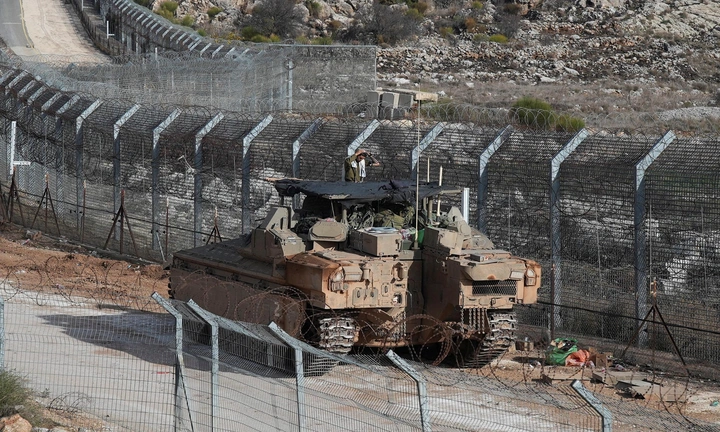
[
  {"x": 475, "y": 350},
  {"x": 279, "y": 306},
  {"x": 426, "y": 339}
]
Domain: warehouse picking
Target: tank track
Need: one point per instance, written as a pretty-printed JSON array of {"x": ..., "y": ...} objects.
[
  {"x": 495, "y": 343},
  {"x": 337, "y": 334}
]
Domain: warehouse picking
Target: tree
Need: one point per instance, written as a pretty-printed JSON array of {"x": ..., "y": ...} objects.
[
  {"x": 278, "y": 17},
  {"x": 383, "y": 24}
]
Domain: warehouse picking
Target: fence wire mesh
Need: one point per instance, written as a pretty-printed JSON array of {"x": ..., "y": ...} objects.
[{"x": 155, "y": 178}]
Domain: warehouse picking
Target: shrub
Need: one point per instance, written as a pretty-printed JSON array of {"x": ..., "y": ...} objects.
[
  {"x": 480, "y": 37},
  {"x": 446, "y": 31},
  {"x": 202, "y": 32},
  {"x": 498, "y": 38},
  {"x": 387, "y": 25},
  {"x": 248, "y": 32},
  {"x": 513, "y": 8},
  {"x": 258, "y": 38},
  {"x": 166, "y": 14},
  {"x": 421, "y": 7},
  {"x": 187, "y": 21},
  {"x": 13, "y": 393},
  {"x": 414, "y": 14},
  {"x": 334, "y": 25},
  {"x": 533, "y": 112},
  {"x": 566, "y": 123},
  {"x": 325, "y": 40},
  {"x": 169, "y": 6},
  {"x": 213, "y": 12},
  {"x": 477, "y": 5},
  {"x": 470, "y": 24},
  {"x": 278, "y": 17}
]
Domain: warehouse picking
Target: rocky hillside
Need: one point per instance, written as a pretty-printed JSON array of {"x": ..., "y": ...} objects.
[{"x": 584, "y": 55}]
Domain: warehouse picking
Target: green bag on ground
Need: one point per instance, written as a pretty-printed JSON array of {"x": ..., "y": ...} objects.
[{"x": 559, "y": 350}]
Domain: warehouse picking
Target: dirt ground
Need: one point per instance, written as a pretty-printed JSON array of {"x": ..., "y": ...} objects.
[{"x": 31, "y": 261}]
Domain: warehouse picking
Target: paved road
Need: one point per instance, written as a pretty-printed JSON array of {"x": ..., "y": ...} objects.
[
  {"x": 46, "y": 30},
  {"x": 12, "y": 28}
]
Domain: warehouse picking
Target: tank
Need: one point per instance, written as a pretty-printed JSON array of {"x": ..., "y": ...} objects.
[{"x": 357, "y": 266}]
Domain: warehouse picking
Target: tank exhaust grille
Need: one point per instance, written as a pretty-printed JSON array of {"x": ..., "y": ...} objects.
[{"x": 495, "y": 287}]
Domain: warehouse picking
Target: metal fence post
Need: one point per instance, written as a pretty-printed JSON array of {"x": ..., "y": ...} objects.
[
  {"x": 247, "y": 140},
  {"x": 299, "y": 372},
  {"x": 555, "y": 234},
  {"x": 2, "y": 333},
  {"x": 197, "y": 175},
  {"x": 641, "y": 283},
  {"x": 180, "y": 390},
  {"x": 595, "y": 404},
  {"x": 297, "y": 144},
  {"x": 79, "y": 170},
  {"x": 215, "y": 368},
  {"x": 116, "y": 161},
  {"x": 156, "y": 173},
  {"x": 421, "y": 386},
  {"x": 483, "y": 161},
  {"x": 422, "y": 145}
]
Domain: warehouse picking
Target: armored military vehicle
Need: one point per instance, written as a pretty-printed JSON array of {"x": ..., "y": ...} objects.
[{"x": 357, "y": 266}]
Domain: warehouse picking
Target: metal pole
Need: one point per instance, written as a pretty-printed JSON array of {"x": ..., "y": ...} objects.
[
  {"x": 197, "y": 174},
  {"x": 421, "y": 386},
  {"x": 555, "y": 235},
  {"x": 247, "y": 141},
  {"x": 156, "y": 175},
  {"x": 299, "y": 372},
  {"x": 483, "y": 162},
  {"x": 215, "y": 368},
  {"x": 641, "y": 282},
  {"x": 180, "y": 389},
  {"x": 595, "y": 404}
]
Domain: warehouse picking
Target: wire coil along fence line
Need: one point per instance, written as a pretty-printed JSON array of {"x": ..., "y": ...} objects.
[{"x": 608, "y": 211}]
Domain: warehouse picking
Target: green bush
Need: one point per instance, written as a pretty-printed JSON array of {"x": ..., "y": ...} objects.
[
  {"x": 325, "y": 40},
  {"x": 13, "y": 393},
  {"x": 249, "y": 32},
  {"x": 260, "y": 39},
  {"x": 498, "y": 38},
  {"x": 480, "y": 37},
  {"x": 421, "y": 7},
  {"x": 169, "y": 6},
  {"x": 414, "y": 14},
  {"x": 187, "y": 21},
  {"x": 534, "y": 112},
  {"x": 566, "y": 123},
  {"x": 166, "y": 14},
  {"x": 213, "y": 12},
  {"x": 202, "y": 32},
  {"x": 446, "y": 31},
  {"x": 477, "y": 5}
]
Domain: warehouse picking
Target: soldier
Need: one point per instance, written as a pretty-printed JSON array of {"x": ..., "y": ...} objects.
[{"x": 355, "y": 166}]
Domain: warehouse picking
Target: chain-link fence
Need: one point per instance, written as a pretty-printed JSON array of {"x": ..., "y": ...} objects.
[
  {"x": 173, "y": 366},
  {"x": 609, "y": 214},
  {"x": 155, "y": 61}
]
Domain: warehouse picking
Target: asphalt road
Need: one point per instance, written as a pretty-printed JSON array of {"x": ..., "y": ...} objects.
[
  {"x": 12, "y": 28},
  {"x": 46, "y": 31}
]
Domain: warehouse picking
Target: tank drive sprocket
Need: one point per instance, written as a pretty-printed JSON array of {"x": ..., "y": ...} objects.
[{"x": 500, "y": 337}]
